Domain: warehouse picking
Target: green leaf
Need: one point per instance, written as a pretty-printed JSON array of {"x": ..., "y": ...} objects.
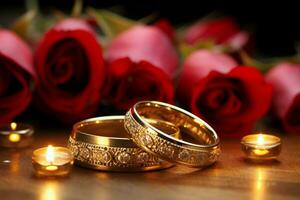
[
  {"x": 77, "y": 8},
  {"x": 21, "y": 24},
  {"x": 186, "y": 49},
  {"x": 265, "y": 64},
  {"x": 32, "y": 5},
  {"x": 32, "y": 25},
  {"x": 58, "y": 15},
  {"x": 148, "y": 19},
  {"x": 39, "y": 26},
  {"x": 111, "y": 23},
  {"x": 250, "y": 61}
]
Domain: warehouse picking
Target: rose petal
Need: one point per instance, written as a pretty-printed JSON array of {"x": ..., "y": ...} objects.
[
  {"x": 285, "y": 78},
  {"x": 225, "y": 96},
  {"x": 18, "y": 95},
  {"x": 165, "y": 26},
  {"x": 16, "y": 68},
  {"x": 130, "y": 82},
  {"x": 220, "y": 95},
  {"x": 238, "y": 41},
  {"x": 141, "y": 63},
  {"x": 66, "y": 67},
  {"x": 73, "y": 24},
  {"x": 292, "y": 120},
  {"x": 198, "y": 65},
  {"x": 258, "y": 94},
  {"x": 15, "y": 49},
  {"x": 229, "y": 106},
  {"x": 5, "y": 79},
  {"x": 144, "y": 43},
  {"x": 219, "y": 30},
  {"x": 79, "y": 94}
]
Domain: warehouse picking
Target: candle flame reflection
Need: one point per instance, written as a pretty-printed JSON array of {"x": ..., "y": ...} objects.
[
  {"x": 260, "y": 152},
  {"x": 259, "y": 185},
  {"x": 49, "y": 191},
  {"x": 14, "y": 137},
  {"x": 15, "y": 163}
]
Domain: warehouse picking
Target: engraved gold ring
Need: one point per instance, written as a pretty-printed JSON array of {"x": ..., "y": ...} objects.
[
  {"x": 198, "y": 145},
  {"x": 101, "y": 143}
]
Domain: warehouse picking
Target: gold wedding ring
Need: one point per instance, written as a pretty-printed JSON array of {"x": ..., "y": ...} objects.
[
  {"x": 197, "y": 147},
  {"x": 101, "y": 143}
]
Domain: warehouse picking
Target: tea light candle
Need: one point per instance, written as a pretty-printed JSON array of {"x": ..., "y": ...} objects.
[
  {"x": 16, "y": 135},
  {"x": 52, "y": 161},
  {"x": 261, "y": 146}
]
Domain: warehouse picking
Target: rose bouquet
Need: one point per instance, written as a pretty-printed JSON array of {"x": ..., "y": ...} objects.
[{"x": 81, "y": 63}]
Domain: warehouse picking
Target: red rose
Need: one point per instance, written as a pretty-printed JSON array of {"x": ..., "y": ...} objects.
[
  {"x": 222, "y": 31},
  {"x": 16, "y": 73},
  {"x": 70, "y": 66},
  {"x": 285, "y": 78},
  {"x": 229, "y": 97},
  {"x": 141, "y": 61}
]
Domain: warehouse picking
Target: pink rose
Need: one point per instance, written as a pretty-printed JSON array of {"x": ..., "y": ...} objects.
[{"x": 285, "y": 78}]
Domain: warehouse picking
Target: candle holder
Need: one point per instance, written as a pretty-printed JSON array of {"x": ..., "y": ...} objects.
[
  {"x": 52, "y": 161},
  {"x": 16, "y": 135},
  {"x": 260, "y": 147}
]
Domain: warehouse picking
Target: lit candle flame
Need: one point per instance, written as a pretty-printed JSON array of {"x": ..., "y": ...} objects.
[
  {"x": 260, "y": 142},
  {"x": 50, "y": 158},
  {"x": 50, "y": 154},
  {"x": 260, "y": 139},
  {"x": 13, "y": 137},
  {"x": 13, "y": 126}
]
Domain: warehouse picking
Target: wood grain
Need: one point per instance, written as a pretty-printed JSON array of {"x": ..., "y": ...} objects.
[{"x": 230, "y": 178}]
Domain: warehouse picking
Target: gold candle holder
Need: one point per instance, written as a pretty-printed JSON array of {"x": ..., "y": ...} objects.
[
  {"x": 16, "y": 135},
  {"x": 52, "y": 161},
  {"x": 261, "y": 147}
]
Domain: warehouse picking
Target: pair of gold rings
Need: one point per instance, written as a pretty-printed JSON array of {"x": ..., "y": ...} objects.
[{"x": 152, "y": 135}]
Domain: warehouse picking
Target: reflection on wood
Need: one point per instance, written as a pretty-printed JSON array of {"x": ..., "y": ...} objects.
[{"x": 232, "y": 177}]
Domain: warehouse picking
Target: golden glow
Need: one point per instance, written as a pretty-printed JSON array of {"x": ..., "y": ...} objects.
[
  {"x": 50, "y": 154},
  {"x": 259, "y": 185},
  {"x": 51, "y": 168},
  {"x": 15, "y": 163},
  {"x": 261, "y": 146},
  {"x": 14, "y": 137},
  {"x": 13, "y": 126},
  {"x": 260, "y": 139},
  {"x": 260, "y": 152},
  {"x": 49, "y": 191}
]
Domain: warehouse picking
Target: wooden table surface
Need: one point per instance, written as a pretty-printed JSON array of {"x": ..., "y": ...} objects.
[{"x": 230, "y": 178}]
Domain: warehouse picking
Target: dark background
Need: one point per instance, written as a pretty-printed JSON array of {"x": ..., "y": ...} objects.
[{"x": 275, "y": 24}]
